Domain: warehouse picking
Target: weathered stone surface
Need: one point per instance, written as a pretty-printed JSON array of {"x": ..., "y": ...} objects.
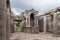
[
  {"x": 3, "y": 19},
  {"x": 4, "y": 22}
]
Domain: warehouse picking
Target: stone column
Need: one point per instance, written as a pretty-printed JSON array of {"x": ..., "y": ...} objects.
[
  {"x": 44, "y": 24},
  {"x": 37, "y": 22},
  {"x": 26, "y": 22},
  {"x": 22, "y": 26},
  {"x": 8, "y": 24},
  {"x": 55, "y": 24},
  {"x": 3, "y": 19},
  {"x": 29, "y": 20}
]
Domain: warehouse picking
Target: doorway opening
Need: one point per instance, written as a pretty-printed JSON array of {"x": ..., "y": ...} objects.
[{"x": 32, "y": 20}]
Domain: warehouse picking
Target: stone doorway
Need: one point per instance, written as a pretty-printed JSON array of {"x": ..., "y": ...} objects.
[
  {"x": 17, "y": 25},
  {"x": 32, "y": 20}
]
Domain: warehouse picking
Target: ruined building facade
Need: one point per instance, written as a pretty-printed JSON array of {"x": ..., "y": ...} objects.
[
  {"x": 30, "y": 21},
  {"x": 47, "y": 22}
]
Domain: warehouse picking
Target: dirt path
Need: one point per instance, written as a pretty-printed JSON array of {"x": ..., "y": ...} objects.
[{"x": 39, "y": 36}]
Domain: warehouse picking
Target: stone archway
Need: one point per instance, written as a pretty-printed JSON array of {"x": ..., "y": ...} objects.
[{"x": 32, "y": 20}]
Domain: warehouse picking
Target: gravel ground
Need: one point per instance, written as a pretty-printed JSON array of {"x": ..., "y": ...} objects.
[{"x": 28, "y": 36}]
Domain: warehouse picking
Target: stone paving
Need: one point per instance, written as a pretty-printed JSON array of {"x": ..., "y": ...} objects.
[
  {"x": 28, "y": 36},
  {"x": 14, "y": 36}
]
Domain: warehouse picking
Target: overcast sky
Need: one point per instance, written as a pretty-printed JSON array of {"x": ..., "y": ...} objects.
[{"x": 18, "y": 6}]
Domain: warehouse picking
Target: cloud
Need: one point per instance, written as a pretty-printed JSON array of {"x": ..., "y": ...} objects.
[{"x": 41, "y": 5}]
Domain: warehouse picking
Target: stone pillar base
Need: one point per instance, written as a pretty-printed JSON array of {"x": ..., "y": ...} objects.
[
  {"x": 27, "y": 29},
  {"x": 33, "y": 30}
]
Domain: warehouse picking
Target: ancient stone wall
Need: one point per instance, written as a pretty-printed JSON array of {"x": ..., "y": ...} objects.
[
  {"x": 3, "y": 19},
  {"x": 40, "y": 24}
]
